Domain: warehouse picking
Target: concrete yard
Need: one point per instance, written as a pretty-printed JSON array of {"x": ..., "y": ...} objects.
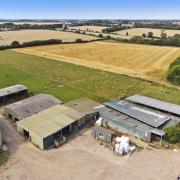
[{"x": 84, "y": 158}]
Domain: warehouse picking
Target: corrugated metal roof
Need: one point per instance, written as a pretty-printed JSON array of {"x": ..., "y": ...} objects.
[
  {"x": 154, "y": 103},
  {"x": 158, "y": 132},
  {"x": 12, "y": 90},
  {"x": 109, "y": 114},
  {"x": 33, "y": 105},
  {"x": 50, "y": 121},
  {"x": 84, "y": 105},
  {"x": 148, "y": 117}
]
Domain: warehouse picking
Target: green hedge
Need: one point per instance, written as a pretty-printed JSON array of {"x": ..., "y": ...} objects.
[
  {"x": 173, "y": 134},
  {"x": 173, "y": 74}
]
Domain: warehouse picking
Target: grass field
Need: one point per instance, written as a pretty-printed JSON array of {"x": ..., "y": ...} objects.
[
  {"x": 89, "y": 28},
  {"x": 67, "y": 81},
  {"x": 6, "y": 38},
  {"x": 140, "y": 31},
  {"x": 148, "y": 62}
]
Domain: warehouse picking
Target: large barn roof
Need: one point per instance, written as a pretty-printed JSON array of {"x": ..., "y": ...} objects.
[
  {"x": 50, "y": 121},
  {"x": 33, "y": 105},
  {"x": 154, "y": 103},
  {"x": 11, "y": 90},
  {"x": 121, "y": 119},
  {"x": 84, "y": 105},
  {"x": 148, "y": 117}
]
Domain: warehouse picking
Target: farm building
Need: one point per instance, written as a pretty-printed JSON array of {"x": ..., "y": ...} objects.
[
  {"x": 30, "y": 106},
  {"x": 103, "y": 134},
  {"x": 87, "y": 107},
  {"x": 46, "y": 127},
  {"x": 11, "y": 93},
  {"x": 156, "y": 104},
  {"x": 125, "y": 124},
  {"x": 131, "y": 119}
]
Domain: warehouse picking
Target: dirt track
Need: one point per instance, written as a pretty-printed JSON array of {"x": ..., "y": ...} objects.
[{"x": 83, "y": 158}]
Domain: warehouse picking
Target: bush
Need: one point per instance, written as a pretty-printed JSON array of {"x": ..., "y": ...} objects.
[
  {"x": 173, "y": 134},
  {"x": 79, "y": 41},
  {"x": 173, "y": 74},
  {"x": 15, "y": 44}
]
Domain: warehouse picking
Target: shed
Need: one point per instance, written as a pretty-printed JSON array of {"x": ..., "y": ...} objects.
[
  {"x": 48, "y": 125},
  {"x": 12, "y": 93},
  {"x": 103, "y": 134},
  {"x": 87, "y": 107},
  {"x": 30, "y": 106}
]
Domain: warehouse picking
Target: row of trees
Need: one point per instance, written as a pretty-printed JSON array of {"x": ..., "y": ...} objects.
[
  {"x": 16, "y": 44},
  {"x": 12, "y": 26},
  {"x": 158, "y": 26}
]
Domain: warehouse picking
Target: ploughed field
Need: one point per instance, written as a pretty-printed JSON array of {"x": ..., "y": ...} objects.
[
  {"x": 148, "y": 62},
  {"x": 6, "y": 38}
]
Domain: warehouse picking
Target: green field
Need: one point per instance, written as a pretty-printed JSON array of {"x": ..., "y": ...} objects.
[{"x": 68, "y": 81}]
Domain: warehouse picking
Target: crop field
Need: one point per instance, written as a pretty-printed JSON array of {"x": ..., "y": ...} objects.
[
  {"x": 148, "y": 62},
  {"x": 140, "y": 31},
  {"x": 89, "y": 28},
  {"x": 68, "y": 81},
  {"x": 6, "y": 38}
]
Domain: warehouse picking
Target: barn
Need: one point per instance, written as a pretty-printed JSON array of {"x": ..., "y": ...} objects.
[
  {"x": 130, "y": 119},
  {"x": 10, "y": 94},
  {"x": 50, "y": 125},
  {"x": 30, "y": 106},
  {"x": 87, "y": 107}
]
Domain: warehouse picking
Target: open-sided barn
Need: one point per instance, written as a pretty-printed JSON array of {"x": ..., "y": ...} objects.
[
  {"x": 87, "y": 107},
  {"x": 30, "y": 106},
  {"x": 12, "y": 93},
  {"x": 49, "y": 125}
]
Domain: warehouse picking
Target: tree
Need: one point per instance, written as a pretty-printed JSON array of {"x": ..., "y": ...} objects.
[
  {"x": 173, "y": 134},
  {"x": 79, "y": 41},
  {"x": 163, "y": 35},
  {"x": 127, "y": 34},
  {"x": 15, "y": 44},
  {"x": 150, "y": 35},
  {"x": 100, "y": 35},
  {"x": 144, "y": 35}
]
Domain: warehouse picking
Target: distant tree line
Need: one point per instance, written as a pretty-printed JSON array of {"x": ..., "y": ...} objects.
[
  {"x": 113, "y": 29},
  {"x": 12, "y": 26},
  {"x": 158, "y": 26}
]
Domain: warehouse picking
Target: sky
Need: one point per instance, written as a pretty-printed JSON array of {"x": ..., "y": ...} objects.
[{"x": 89, "y": 9}]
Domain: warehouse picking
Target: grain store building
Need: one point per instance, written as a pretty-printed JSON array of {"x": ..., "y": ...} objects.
[
  {"x": 30, "y": 106},
  {"x": 46, "y": 127},
  {"x": 87, "y": 107},
  {"x": 12, "y": 93}
]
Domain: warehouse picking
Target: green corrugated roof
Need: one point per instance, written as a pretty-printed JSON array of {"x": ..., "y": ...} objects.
[{"x": 50, "y": 121}]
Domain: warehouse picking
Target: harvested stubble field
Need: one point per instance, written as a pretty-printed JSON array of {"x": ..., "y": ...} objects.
[
  {"x": 148, "y": 62},
  {"x": 139, "y": 31},
  {"x": 89, "y": 28},
  {"x": 68, "y": 81},
  {"x": 6, "y": 38}
]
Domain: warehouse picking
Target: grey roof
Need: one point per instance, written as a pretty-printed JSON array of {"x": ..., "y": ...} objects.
[
  {"x": 154, "y": 103},
  {"x": 109, "y": 114},
  {"x": 158, "y": 132},
  {"x": 84, "y": 105},
  {"x": 33, "y": 105},
  {"x": 11, "y": 90},
  {"x": 148, "y": 117}
]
